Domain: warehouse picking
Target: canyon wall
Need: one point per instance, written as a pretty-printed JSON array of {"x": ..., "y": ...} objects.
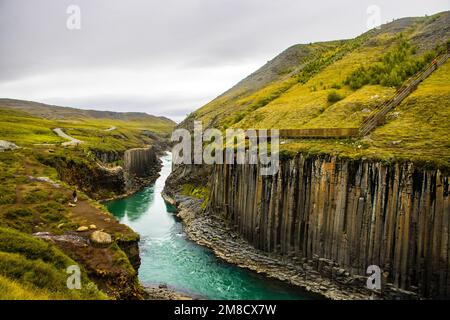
[
  {"x": 140, "y": 168},
  {"x": 139, "y": 161},
  {"x": 108, "y": 156},
  {"x": 352, "y": 213},
  {"x": 97, "y": 181}
]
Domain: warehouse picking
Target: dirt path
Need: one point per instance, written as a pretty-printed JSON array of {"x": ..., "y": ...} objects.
[
  {"x": 72, "y": 141},
  {"x": 86, "y": 214}
]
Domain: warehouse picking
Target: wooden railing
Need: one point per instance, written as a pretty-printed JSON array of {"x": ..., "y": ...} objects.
[
  {"x": 376, "y": 117},
  {"x": 314, "y": 133},
  {"x": 319, "y": 133}
]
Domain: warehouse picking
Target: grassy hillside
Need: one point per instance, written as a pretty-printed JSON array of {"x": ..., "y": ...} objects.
[
  {"x": 416, "y": 130},
  {"x": 33, "y": 199},
  {"x": 29, "y": 205},
  {"x": 31, "y": 268},
  {"x": 337, "y": 84},
  {"x": 27, "y": 130}
]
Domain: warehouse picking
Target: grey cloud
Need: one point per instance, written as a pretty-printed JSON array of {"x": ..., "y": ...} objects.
[
  {"x": 175, "y": 108},
  {"x": 186, "y": 34}
]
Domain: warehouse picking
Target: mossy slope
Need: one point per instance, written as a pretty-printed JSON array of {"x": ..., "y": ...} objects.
[
  {"x": 31, "y": 268},
  {"x": 337, "y": 84}
]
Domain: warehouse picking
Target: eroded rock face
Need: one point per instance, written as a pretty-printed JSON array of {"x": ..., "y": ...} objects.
[
  {"x": 112, "y": 274},
  {"x": 97, "y": 181},
  {"x": 108, "y": 156},
  {"x": 140, "y": 168},
  {"x": 350, "y": 214},
  {"x": 139, "y": 161}
]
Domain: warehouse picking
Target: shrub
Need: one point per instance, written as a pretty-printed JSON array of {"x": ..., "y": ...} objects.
[
  {"x": 36, "y": 196},
  {"x": 195, "y": 191},
  {"x": 239, "y": 117},
  {"x": 7, "y": 196},
  {"x": 16, "y": 242},
  {"x": 286, "y": 155},
  {"x": 334, "y": 96},
  {"x": 199, "y": 192},
  {"x": 18, "y": 213},
  {"x": 393, "y": 68},
  {"x": 13, "y": 290},
  {"x": 36, "y": 272},
  {"x": 19, "y": 219},
  {"x": 336, "y": 86}
]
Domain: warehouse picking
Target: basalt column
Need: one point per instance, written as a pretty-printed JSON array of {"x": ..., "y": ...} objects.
[
  {"x": 141, "y": 167},
  {"x": 139, "y": 161},
  {"x": 353, "y": 213}
]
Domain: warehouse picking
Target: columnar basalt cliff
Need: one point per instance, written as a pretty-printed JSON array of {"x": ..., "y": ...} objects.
[
  {"x": 322, "y": 220},
  {"x": 139, "y": 161},
  {"x": 141, "y": 167},
  {"x": 351, "y": 213},
  {"x": 108, "y": 156}
]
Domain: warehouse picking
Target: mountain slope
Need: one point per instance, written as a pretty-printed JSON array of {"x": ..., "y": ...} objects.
[{"x": 337, "y": 84}]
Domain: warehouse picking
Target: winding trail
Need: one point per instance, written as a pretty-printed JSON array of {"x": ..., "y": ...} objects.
[
  {"x": 111, "y": 129},
  {"x": 72, "y": 141}
]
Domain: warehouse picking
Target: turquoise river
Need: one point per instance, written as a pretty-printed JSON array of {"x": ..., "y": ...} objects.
[{"x": 169, "y": 257}]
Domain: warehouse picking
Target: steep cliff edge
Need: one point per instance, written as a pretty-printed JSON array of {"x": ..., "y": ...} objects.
[
  {"x": 102, "y": 180},
  {"x": 141, "y": 167}
]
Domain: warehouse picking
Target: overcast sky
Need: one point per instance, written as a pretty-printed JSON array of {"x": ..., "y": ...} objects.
[{"x": 164, "y": 57}]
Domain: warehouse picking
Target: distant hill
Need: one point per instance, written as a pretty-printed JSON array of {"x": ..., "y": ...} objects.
[
  {"x": 52, "y": 112},
  {"x": 27, "y": 123}
]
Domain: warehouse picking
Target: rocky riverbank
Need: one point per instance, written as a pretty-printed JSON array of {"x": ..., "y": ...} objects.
[
  {"x": 162, "y": 292},
  {"x": 319, "y": 277}
]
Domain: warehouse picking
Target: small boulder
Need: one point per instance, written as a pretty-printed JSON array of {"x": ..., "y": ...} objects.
[
  {"x": 82, "y": 228},
  {"x": 92, "y": 227},
  {"x": 6, "y": 145},
  {"x": 101, "y": 237}
]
